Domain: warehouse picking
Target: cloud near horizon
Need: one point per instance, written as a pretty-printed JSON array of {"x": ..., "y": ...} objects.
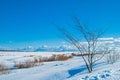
[{"x": 108, "y": 40}]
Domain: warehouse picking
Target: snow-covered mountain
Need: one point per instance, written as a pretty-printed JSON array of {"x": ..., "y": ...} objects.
[
  {"x": 46, "y": 48},
  {"x": 54, "y": 49}
]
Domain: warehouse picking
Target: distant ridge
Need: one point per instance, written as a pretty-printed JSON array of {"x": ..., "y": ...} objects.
[
  {"x": 8, "y": 50},
  {"x": 13, "y": 51}
]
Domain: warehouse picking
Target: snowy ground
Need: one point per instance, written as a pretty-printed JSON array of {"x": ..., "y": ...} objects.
[{"x": 72, "y": 69}]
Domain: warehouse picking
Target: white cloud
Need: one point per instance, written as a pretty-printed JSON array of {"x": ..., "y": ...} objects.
[
  {"x": 117, "y": 40},
  {"x": 106, "y": 39}
]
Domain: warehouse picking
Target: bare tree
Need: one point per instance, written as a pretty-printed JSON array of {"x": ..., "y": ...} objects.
[{"x": 91, "y": 47}]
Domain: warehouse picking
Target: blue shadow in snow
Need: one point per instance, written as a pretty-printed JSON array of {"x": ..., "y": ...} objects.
[
  {"x": 14, "y": 68},
  {"x": 73, "y": 72}
]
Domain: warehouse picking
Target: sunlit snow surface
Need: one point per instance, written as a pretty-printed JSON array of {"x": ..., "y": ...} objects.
[{"x": 72, "y": 69}]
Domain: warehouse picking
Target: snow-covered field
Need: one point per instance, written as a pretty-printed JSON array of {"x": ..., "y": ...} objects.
[{"x": 71, "y": 69}]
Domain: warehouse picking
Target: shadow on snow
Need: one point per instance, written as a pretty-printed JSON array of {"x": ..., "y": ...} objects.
[{"x": 73, "y": 72}]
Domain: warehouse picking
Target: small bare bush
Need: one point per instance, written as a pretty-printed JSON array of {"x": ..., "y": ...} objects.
[
  {"x": 112, "y": 58},
  {"x": 38, "y": 60},
  {"x": 4, "y": 69}
]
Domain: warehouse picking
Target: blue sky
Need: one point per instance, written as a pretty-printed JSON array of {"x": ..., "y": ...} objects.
[{"x": 24, "y": 22}]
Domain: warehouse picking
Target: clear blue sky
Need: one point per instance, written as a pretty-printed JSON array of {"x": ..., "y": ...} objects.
[{"x": 27, "y": 21}]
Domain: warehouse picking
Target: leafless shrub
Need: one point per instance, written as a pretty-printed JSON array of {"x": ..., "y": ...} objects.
[
  {"x": 38, "y": 60},
  {"x": 4, "y": 69},
  {"x": 112, "y": 58}
]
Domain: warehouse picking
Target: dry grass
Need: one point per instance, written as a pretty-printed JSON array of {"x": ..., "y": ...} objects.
[
  {"x": 58, "y": 57},
  {"x": 62, "y": 57},
  {"x": 25, "y": 64},
  {"x": 4, "y": 69},
  {"x": 38, "y": 60},
  {"x": 28, "y": 63}
]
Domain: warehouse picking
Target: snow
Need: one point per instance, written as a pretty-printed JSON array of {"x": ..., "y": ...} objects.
[
  {"x": 71, "y": 69},
  {"x": 12, "y": 54}
]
